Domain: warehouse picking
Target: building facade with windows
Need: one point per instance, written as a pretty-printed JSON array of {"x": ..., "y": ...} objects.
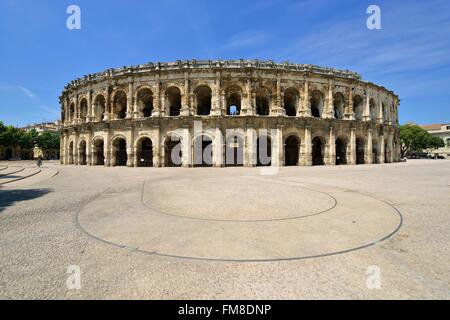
[
  {"x": 441, "y": 131},
  {"x": 219, "y": 113}
]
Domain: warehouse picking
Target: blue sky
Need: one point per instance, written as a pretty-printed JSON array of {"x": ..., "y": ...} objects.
[{"x": 39, "y": 55}]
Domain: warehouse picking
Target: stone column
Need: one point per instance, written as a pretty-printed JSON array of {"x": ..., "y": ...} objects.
[
  {"x": 349, "y": 112},
  {"x": 186, "y": 103},
  {"x": 328, "y": 111},
  {"x": 129, "y": 114},
  {"x": 380, "y": 110},
  {"x": 218, "y": 147},
  {"x": 89, "y": 117},
  {"x": 76, "y": 151},
  {"x": 369, "y": 153},
  {"x": 157, "y": 150},
  {"x": 89, "y": 160},
  {"x": 352, "y": 156},
  {"x": 277, "y": 106},
  {"x": 366, "y": 113},
  {"x": 130, "y": 148},
  {"x": 306, "y": 148},
  {"x": 216, "y": 99},
  {"x": 305, "y": 109},
  {"x": 157, "y": 99},
  {"x": 107, "y": 149},
  {"x": 187, "y": 160},
  {"x": 248, "y": 103},
  {"x": 65, "y": 154},
  {"x": 108, "y": 110},
  {"x": 250, "y": 147},
  {"x": 278, "y": 147},
  {"x": 332, "y": 148},
  {"x": 382, "y": 148}
]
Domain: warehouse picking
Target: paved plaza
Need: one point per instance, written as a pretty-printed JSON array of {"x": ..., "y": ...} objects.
[{"x": 225, "y": 233}]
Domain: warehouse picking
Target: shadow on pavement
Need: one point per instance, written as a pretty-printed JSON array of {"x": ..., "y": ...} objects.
[{"x": 9, "y": 197}]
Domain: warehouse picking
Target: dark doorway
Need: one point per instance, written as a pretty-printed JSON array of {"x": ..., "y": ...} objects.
[
  {"x": 120, "y": 152},
  {"x": 234, "y": 153},
  {"x": 145, "y": 153},
  {"x": 291, "y": 151},
  {"x": 173, "y": 153},
  {"x": 264, "y": 151},
  {"x": 203, "y": 154},
  {"x": 341, "y": 151},
  {"x": 360, "y": 151},
  {"x": 99, "y": 159},
  {"x": 82, "y": 153},
  {"x": 318, "y": 151}
]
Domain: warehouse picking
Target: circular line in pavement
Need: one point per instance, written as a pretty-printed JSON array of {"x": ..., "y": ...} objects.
[{"x": 226, "y": 260}]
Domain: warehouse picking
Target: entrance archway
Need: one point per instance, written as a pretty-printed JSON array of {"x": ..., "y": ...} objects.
[
  {"x": 264, "y": 151},
  {"x": 360, "y": 154},
  {"x": 120, "y": 152},
  {"x": 234, "y": 151},
  {"x": 203, "y": 154},
  {"x": 375, "y": 152},
  {"x": 341, "y": 151},
  {"x": 291, "y": 151},
  {"x": 82, "y": 153},
  {"x": 145, "y": 153},
  {"x": 318, "y": 148},
  {"x": 99, "y": 147},
  {"x": 172, "y": 152}
]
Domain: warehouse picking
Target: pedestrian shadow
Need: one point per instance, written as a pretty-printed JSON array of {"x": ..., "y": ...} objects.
[{"x": 10, "y": 197}]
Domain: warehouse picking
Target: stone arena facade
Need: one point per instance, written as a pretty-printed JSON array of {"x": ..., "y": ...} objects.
[{"x": 227, "y": 113}]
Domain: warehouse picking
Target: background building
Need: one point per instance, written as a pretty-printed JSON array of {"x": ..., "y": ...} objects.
[{"x": 441, "y": 131}]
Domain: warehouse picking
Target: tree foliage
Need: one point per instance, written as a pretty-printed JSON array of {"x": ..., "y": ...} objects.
[
  {"x": 14, "y": 137},
  {"x": 415, "y": 139}
]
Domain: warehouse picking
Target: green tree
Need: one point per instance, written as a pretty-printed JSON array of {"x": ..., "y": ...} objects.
[
  {"x": 416, "y": 139},
  {"x": 433, "y": 143},
  {"x": 48, "y": 140}
]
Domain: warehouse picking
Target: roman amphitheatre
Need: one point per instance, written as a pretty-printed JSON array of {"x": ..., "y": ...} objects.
[{"x": 302, "y": 197}]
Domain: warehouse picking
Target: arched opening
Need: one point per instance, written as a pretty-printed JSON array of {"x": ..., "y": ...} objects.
[
  {"x": 100, "y": 107},
  {"x": 70, "y": 153},
  {"x": 291, "y": 102},
  {"x": 172, "y": 152},
  {"x": 385, "y": 113},
  {"x": 360, "y": 150},
  {"x": 203, "y": 153},
  {"x": 372, "y": 110},
  {"x": 145, "y": 153},
  {"x": 341, "y": 151},
  {"x": 262, "y": 102},
  {"x": 318, "y": 150},
  {"x": 375, "y": 151},
  {"x": 120, "y": 152},
  {"x": 358, "y": 107},
  {"x": 145, "y": 102},
  {"x": 291, "y": 151},
  {"x": 120, "y": 105},
  {"x": 316, "y": 104},
  {"x": 338, "y": 104},
  {"x": 203, "y": 96},
  {"x": 233, "y": 97},
  {"x": 82, "y": 153},
  {"x": 173, "y": 100},
  {"x": 234, "y": 153},
  {"x": 83, "y": 110},
  {"x": 99, "y": 149},
  {"x": 264, "y": 151},
  {"x": 72, "y": 111}
]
